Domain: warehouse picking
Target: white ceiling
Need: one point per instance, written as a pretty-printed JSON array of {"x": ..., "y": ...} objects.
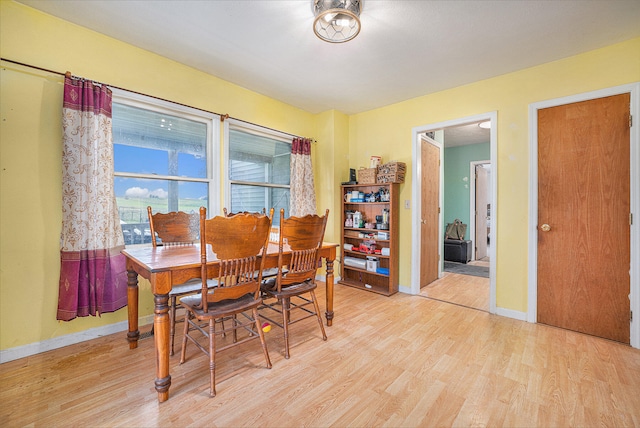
[
  {"x": 466, "y": 134},
  {"x": 405, "y": 48}
]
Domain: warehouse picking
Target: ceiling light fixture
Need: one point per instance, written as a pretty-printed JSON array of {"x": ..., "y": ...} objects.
[
  {"x": 485, "y": 125},
  {"x": 337, "y": 21}
]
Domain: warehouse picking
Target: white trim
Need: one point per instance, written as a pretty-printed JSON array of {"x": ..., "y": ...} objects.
[
  {"x": 472, "y": 203},
  {"x": 416, "y": 195},
  {"x": 634, "y": 270},
  {"x": 18, "y": 352},
  {"x": 224, "y": 166},
  {"x": 510, "y": 313},
  {"x": 404, "y": 289}
]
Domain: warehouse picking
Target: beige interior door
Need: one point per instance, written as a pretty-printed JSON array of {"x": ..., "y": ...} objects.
[
  {"x": 482, "y": 211},
  {"x": 430, "y": 209},
  {"x": 583, "y": 217}
]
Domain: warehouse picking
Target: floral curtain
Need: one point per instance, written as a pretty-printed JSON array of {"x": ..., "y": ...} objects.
[
  {"x": 92, "y": 271},
  {"x": 303, "y": 194}
]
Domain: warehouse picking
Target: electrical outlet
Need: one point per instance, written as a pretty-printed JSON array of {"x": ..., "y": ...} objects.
[{"x": 407, "y": 204}]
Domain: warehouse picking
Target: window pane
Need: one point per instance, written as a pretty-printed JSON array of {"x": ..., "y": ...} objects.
[
  {"x": 258, "y": 159},
  {"x": 134, "y": 195},
  {"x": 255, "y": 198},
  {"x": 148, "y": 142}
]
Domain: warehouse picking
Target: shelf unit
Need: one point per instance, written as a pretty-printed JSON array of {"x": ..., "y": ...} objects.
[{"x": 361, "y": 277}]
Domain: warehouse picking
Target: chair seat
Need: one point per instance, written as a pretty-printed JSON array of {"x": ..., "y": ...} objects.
[
  {"x": 270, "y": 288},
  {"x": 191, "y": 286},
  {"x": 220, "y": 309},
  {"x": 271, "y": 272}
]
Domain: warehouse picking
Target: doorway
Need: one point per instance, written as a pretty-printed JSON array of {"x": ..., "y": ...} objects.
[
  {"x": 584, "y": 191},
  {"x": 480, "y": 215},
  {"x": 437, "y": 131}
]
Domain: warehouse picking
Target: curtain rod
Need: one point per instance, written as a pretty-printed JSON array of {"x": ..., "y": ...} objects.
[{"x": 222, "y": 116}]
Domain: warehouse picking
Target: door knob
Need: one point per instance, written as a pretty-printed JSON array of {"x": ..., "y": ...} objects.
[{"x": 545, "y": 227}]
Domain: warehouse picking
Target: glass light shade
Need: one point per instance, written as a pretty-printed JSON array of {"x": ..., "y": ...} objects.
[
  {"x": 337, "y": 21},
  {"x": 485, "y": 125}
]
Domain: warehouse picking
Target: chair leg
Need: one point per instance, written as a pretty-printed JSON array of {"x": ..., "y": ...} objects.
[
  {"x": 286, "y": 306},
  {"x": 212, "y": 356},
  {"x": 172, "y": 325},
  {"x": 315, "y": 304},
  {"x": 183, "y": 353},
  {"x": 262, "y": 340},
  {"x": 234, "y": 323}
]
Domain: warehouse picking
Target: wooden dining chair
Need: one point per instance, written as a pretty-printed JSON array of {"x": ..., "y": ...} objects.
[
  {"x": 174, "y": 229},
  {"x": 237, "y": 242},
  {"x": 301, "y": 237},
  {"x": 268, "y": 272}
]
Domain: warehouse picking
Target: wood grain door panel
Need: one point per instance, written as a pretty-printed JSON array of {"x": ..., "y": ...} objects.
[
  {"x": 584, "y": 197},
  {"x": 429, "y": 225}
]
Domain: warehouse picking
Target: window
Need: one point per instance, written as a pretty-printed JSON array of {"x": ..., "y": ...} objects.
[
  {"x": 258, "y": 162},
  {"x": 164, "y": 157}
]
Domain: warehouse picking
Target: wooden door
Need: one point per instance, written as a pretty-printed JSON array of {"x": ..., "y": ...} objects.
[
  {"x": 583, "y": 217},
  {"x": 482, "y": 211},
  {"x": 429, "y": 224}
]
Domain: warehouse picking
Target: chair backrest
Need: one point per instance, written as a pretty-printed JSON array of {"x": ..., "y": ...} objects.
[
  {"x": 174, "y": 228},
  {"x": 304, "y": 235},
  {"x": 237, "y": 241}
]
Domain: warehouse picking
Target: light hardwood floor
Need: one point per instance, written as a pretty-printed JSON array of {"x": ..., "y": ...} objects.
[
  {"x": 464, "y": 290},
  {"x": 389, "y": 361}
]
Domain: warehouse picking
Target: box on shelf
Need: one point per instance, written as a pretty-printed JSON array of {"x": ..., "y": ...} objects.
[
  {"x": 391, "y": 178},
  {"x": 392, "y": 167},
  {"x": 383, "y": 271},
  {"x": 391, "y": 172},
  {"x": 367, "y": 175},
  {"x": 372, "y": 264},
  {"x": 383, "y": 235}
]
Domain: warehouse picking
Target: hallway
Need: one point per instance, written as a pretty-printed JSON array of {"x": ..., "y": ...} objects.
[{"x": 464, "y": 290}]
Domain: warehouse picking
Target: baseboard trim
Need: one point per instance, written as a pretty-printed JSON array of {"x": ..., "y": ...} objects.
[
  {"x": 18, "y": 352},
  {"x": 510, "y": 313}
]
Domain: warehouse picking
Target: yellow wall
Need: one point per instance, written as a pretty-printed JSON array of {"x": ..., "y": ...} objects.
[
  {"x": 31, "y": 147},
  {"x": 30, "y": 137},
  {"x": 387, "y": 132},
  {"x": 331, "y": 164}
]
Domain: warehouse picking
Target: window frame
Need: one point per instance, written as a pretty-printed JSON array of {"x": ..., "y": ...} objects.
[
  {"x": 212, "y": 149},
  {"x": 256, "y": 130}
]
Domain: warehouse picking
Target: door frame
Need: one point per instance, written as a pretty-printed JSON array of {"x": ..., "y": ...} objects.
[
  {"x": 634, "y": 270},
  {"x": 472, "y": 203},
  {"x": 416, "y": 194}
]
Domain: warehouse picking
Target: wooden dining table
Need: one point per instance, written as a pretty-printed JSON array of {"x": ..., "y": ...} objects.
[{"x": 167, "y": 266}]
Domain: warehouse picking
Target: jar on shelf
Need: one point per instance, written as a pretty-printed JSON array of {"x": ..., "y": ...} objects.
[{"x": 349, "y": 220}]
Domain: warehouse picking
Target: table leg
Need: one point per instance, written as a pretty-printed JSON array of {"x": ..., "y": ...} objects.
[
  {"x": 161, "y": 336},
  {"x": 132, "y": 308},
  {"x": 329, "y": 294}
]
